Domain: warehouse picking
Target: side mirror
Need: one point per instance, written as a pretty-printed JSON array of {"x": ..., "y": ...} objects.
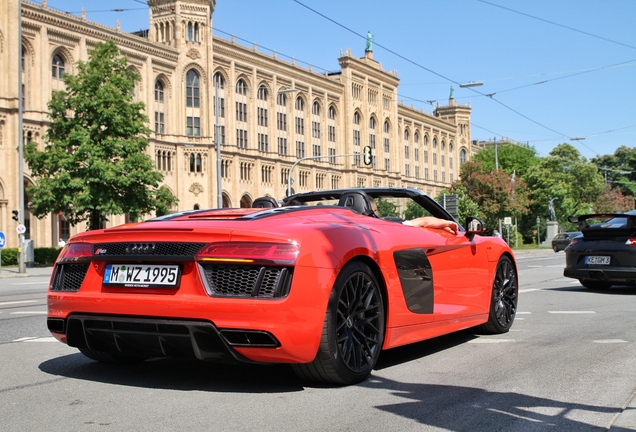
[{"x": 475, "y": 225}]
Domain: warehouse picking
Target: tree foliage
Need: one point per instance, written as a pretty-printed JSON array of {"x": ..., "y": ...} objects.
[
  {"x": 619, "y": 169},
  {"x": 94, "y": 162},
  {"x": 496, "y": 193},
  {"x": 511, "y": 158}
]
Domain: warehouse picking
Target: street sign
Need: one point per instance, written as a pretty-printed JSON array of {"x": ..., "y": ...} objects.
[
  {"x": 3, "y": 239},
  {"x": 508, "y": 220},
  {"x": 451, "y": 203},
  {"x": 21, "y": 229}
]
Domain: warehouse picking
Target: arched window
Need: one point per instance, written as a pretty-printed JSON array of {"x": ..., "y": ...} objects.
[
  {"x": 57, "y": 66},
  {"x": 241, "y": 87},
  {"x": 281, "y": 99},
  {"x": 158, "y": 91},
  {"x": 198, "y": 162},
  {"x": 191, "y": 162},
  {"x": 332, "y": 113},
  {"x": 416, "y": 138},
  {"x": 356, "y": 118},
  {"x": 192, "y": 88},
  {"x": 462, "y": 156},
  {"x": 300, "y": 105},
  {"x": 315, "y": 110},
  {"x": 406, "y": 135},
  {"x": 262, "y": 93},
  {"x": 372, "y": 123}
]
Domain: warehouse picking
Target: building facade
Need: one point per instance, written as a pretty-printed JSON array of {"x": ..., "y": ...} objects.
[{"x": 271, "y": 115}]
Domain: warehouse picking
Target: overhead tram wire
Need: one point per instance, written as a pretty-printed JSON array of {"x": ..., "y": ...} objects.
[
  {"x": 436, "y": 73},
  {"x": 399, "y": 56},
  {"x": 558, "y": 25}
]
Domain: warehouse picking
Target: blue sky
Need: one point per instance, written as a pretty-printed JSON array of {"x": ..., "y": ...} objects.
[{"x": 555, "y": 69}]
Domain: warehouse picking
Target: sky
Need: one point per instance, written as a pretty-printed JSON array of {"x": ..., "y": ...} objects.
[{"x": 552, "y": 70}]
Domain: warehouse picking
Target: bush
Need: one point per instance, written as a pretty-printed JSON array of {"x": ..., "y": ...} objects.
[
  {"x": 9, "y": 256},
  {"x": 44, "y": 256},
  {"x": 41, "y": 256}
]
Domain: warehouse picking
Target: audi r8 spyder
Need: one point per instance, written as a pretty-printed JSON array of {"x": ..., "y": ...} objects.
[
  {"x": 606, "y": 253},
  {"x": 322, "y": 282}
]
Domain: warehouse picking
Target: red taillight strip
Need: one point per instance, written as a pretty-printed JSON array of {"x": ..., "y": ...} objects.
[
  {"x": 250, "y": 252},
  {"x": 631, "y": 242},
  {"x": 75, "y": 252}
]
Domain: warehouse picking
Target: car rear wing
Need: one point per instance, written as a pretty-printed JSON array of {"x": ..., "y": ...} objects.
[{"x": 627, "y": 227}]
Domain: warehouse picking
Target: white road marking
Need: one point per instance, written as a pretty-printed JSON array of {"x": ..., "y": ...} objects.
[
  {"x": 43, "y": 339},
  {"x": 571, "y": 312},
  {"x": 529, "y": 290},
  {"x": 24, "y": 339},
  {"x": 18, "y": 302},
  {"x": 29, "y": 313},
  {"x": 490, "y": 341},
  {"x": 609, "y": 341}
]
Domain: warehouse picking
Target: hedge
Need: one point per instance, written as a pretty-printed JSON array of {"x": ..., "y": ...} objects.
[{"x": 41, "y": 256}]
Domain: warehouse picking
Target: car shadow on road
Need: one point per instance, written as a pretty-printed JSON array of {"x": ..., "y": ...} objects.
[
  {"x": 175, "y": 374},
  {"x": 459, "y": 408}
]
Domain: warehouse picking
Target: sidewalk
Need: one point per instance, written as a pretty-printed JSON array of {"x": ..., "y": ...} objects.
[{"x": 12, "y": 272}]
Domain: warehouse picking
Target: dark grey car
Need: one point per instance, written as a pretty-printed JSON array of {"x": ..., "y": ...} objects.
[{"x": 561, "y": 241}]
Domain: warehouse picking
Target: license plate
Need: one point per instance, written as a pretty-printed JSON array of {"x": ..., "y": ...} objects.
[
  {"x": 604, "y": 260},
  {"x": 142, "y": 276}
]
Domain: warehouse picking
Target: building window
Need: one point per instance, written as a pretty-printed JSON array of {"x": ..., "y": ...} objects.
[
  {"x": 387, "y": 164},
  {"x": 159, "y": 92},
  {"x": 222, "y": 130},
  {"x": 192, "y": 89},
  {"x": 263, "y": 142},
  {"x": 332, "y": 155},
  {"x": 241, "y": 112},
  {"x": 462, "y": 156},
  {"x": 300, "y": 105},
  {"x": 57, "y": 66},
  {"x": 281, "y": 100},
  {"x": 315, "y": 109},
  {"x": 159, "y": 123},
  {"x": 315, "y": 129},
  {"x": 241, "y": 87},
  {"x": 282, "y": 146},
  {"x": 332, "y": 113},
  {"x": 219, "y": 84},
  {"x": 281, "y": 121},
  {"x": 300, "y": 125},
  {"x": 317, "y": 150},
  {"x": 241, "y": 138},
  {"x": 300, "y": 149},
  {"x": 193, "y": 126},
  {"x": 356, "y": 118},
  {"x": 332, "y": 133},
  {"x": 262, "y": 93}
]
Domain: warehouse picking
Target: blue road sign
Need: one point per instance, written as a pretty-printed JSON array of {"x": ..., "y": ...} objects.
[{"x": 3, "y": 240}]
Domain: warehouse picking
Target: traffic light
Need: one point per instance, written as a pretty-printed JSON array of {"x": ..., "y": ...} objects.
[
  {"x": 367, "y": 155},
  {"x": 16, "y": 215}
]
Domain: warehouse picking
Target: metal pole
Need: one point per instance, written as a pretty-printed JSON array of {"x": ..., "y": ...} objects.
[
  {"x": 21, "y": 257},
  {"x": 217, "y": 138}
]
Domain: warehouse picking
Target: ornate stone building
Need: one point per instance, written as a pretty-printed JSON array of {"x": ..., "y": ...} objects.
[{"x": 271, "y": 113}]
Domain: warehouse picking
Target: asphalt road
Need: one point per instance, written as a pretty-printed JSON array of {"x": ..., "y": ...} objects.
[{"x": 569, "y": 364}]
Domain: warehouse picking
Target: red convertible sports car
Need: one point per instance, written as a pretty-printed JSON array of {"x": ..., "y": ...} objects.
[{"x": 321, "y": 282}]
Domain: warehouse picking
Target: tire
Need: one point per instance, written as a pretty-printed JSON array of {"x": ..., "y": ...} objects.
[
  {"x": 353, "y": 331},
  {"x": 554, "y": 248},
  {"x": 594, "y": 284},
  {"x": 104, "y": 357},
  {"x": 503, "y": 300}
]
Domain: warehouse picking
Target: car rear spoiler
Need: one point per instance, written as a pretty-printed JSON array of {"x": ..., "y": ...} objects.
[{"x": 582, "y": 220}]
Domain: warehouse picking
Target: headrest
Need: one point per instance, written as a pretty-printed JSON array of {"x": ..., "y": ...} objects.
[
  {"x": 359, "y": 202},
  {"x": 265, "y": 202}
]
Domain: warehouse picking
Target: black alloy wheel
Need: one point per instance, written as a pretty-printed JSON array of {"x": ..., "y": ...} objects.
[
  {"x": 505, "y": 293},
  {"x": 353, "y": 332}
]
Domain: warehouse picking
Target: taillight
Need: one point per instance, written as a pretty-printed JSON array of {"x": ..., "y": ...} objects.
[
  {"x": 631, "y": 242},
  {"x": 573, "y": 242},
  {"x": 73, "y": 252},
  {"x": 274, "y": 253}
]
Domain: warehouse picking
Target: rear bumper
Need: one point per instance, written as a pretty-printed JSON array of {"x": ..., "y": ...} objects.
[
  {"x": 616, "y": 275},
  {"x": 188, "y": 322}
]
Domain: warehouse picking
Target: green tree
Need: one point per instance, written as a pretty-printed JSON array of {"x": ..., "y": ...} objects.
[
  {"x": 413, "y": 210},
  {"x": 570, "y": 178},
  {"x": 619, "y": 169},
  {"x": 496, "y": 193},
  {"x": 386, "y": 208},
  {"x": 612, "y": 200},
  {"x": 94, "y": 162},
  {"x": 511, "y": 158}
]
